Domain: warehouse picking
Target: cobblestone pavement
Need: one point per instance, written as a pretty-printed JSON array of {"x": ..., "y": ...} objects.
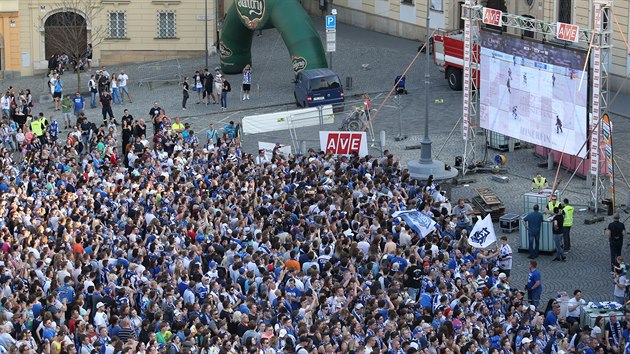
[{"x": 386, "y": 56}]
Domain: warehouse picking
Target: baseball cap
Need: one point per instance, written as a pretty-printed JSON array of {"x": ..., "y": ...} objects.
[{"x": 526, "y": 340}]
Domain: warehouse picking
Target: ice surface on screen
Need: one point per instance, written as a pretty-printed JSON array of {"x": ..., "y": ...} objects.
[{"x": 531, "y": 91}]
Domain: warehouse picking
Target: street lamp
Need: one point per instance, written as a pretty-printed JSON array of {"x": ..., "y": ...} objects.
[
  {"x": 426, "y": 166},
  {"x": 206, "y": 28}
]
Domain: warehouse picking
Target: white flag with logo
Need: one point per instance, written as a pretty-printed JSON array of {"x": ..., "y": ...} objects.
[{"x": 482, "y": 234}]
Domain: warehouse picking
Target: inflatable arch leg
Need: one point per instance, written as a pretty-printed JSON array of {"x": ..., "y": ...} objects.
[
  {"x": 291, "y": 20},
  {"x": 235, "y": 45}
]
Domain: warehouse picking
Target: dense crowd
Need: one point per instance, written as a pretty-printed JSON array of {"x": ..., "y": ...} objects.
[{"x": 116, "y": 241}]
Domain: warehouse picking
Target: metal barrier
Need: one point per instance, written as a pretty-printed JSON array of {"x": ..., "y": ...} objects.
[
  {"x": 302, "y": 139},
  {"x": 160, "y": 72}
]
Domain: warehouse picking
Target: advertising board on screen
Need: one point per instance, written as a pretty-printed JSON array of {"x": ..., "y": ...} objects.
[{"x": 531, "y": 91}]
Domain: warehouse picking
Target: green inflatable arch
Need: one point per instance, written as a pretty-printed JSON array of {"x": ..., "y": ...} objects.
[{"x": 288, "y": 16}]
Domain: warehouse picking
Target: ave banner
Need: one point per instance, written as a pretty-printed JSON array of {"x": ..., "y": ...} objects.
[
  {"x": 343, "y": 142},
  {"x": 482, "y": 234}
]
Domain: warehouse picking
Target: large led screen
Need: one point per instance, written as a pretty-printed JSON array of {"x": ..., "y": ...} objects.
[{"x": 531, "y": 91}]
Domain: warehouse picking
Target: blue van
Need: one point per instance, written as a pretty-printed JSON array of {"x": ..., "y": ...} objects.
[{"x": 317, "y": 87}]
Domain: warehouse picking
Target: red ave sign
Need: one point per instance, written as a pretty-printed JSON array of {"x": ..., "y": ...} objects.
[
  {"x": 492, "y": 16},
  {"x": 344, "y": 143},
  {"x": 567, "y": 32}
]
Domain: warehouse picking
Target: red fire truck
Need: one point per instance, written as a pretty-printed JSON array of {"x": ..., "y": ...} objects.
[{"x": 448, "y": 53}]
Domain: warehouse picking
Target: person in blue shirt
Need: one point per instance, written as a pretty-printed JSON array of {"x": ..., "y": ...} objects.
[
  {"x": 533, "y": 224},
  {"x": 551, "y": 319},
  {"x": 202, "y": 289},
  {"x": 534, "y": 284},
  {"x": 78, "y": 103},
  {"x": 66, "y": 291},
  {"x": 230, "y": 129},
  {"x": 48, "y": 332},
  {"x": 4, "y": 187},
  {"x": 293, "y": 294}
]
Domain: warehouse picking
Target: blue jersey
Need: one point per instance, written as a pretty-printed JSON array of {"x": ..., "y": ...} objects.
[
  {"x": 532, "y": 278},
  {"x": 247, "y": 77},
  {"x": 53, "y": 128},
  {"x": 202, "y": 292},
  {"x": 78, "y": 102}
]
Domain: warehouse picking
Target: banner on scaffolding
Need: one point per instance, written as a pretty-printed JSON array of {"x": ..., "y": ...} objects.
[
  {"x": 607, "y": 141},
  {"x": 596, "y": 53}
]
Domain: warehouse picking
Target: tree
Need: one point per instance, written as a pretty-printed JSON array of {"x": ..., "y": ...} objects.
[{"x": 73, "y": 25}]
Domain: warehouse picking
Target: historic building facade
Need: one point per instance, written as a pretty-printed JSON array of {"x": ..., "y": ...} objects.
[{"x": 121, "y": 30}]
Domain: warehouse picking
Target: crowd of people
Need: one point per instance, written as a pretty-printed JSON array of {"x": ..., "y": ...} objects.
[{"x": 117, "y": 241}]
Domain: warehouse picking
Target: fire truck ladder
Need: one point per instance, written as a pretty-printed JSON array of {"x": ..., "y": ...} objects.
[{"x": 598, "y": 40}]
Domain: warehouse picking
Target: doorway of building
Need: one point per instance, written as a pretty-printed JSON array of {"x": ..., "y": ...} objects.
[{"x": 65, "y": 32}]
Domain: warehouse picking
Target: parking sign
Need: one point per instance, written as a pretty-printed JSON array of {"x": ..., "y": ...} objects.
[{"x": 331, "y": 22}]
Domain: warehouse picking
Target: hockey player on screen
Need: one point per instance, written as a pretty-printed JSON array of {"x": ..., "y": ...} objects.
[
  {"x": 508, "y": 86},
  {"x": 514, "y": 112},
  {"x": 558, "y": 125},
  {"x": 553, "y": 80}
]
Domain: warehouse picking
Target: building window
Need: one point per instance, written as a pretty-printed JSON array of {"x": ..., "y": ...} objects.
[
  {"x": 564, "y": 11},
  {"x": 117, "y": 24},
  {"x": 437, "y": 5},
  {"x": 406, "y": 2},
  {"x": 166, "y": 24}
]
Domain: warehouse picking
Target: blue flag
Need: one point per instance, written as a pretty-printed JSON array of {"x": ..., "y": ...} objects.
[{"x": 420, "y": 223}]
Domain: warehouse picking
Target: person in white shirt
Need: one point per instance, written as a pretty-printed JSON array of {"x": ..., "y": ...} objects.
[
  {"x": 122, "y": 86},
  {"x": 189, "y": 295},
  {"x": 262, "y": 158},
  {"x": 505, "y": 256},
  {"x": 574, "y": 307},
  {"x": 5, "y": 102},
  {"x": 405, "y": 238},
  {"x": 620, "y": 287},
  {"x": 100, "y": 318}
]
